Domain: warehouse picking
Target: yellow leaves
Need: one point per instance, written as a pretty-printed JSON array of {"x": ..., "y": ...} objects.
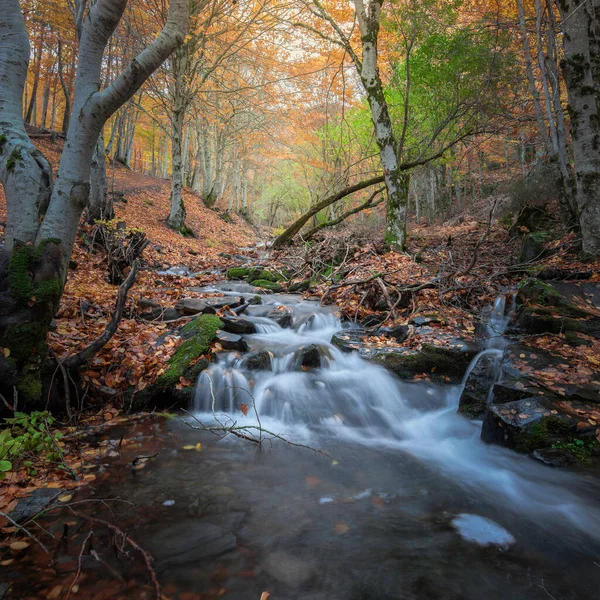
[
  {"x": 197, "y": 447},
  {"x": 65, "y": 498},
  {"x": 6, "y": 352}
]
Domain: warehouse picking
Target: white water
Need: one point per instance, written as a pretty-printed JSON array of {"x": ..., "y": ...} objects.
[{"x": 352, "y": 400}]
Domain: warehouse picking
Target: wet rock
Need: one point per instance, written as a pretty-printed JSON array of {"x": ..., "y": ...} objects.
[
  {"x": 255, "y": 300},
  {"x": 473, "y": 400},
  {"x": 482, "y": 531},
  {"x": 238, "y": 273},
  {"x": 287, "y": 569},
  {"x": 232, "y": 341},
  {"x": 237, "y": 325},
  {"x": 534, "y": 246},
  {"x": 526, "y": 370},
  {"x": 144, "y": 303},
  {"x": 193, "y": 306},
  {"x": 398, "y": 333},
  {"x": 282, "y": 315},
  {"x": 29, "y": 507},
  {"x": 554, "y": 457},
  {"x": 527, "y": 425},
  {"x": 258, "y": 361},
  {"x": 220, "y": 302},
  {"x": 308, "y": 357},
  {"x": 187, "y": 542},
  {"x": 568, "y": 299},
  {"x": 349, "y": 340}
]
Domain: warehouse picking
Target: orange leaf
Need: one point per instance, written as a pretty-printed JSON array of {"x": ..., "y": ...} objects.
[{"x": 244, "y": 408}]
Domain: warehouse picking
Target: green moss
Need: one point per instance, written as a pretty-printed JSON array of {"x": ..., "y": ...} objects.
[
  {"x": 3, "y": 140},
  {"x": 25, "y": 340},
  {"x": 49, "y": 291},
  {"x": 15, "y": 156},
  {"x": 300, "y": 286},
  {"x": 185, "y": 231},
  {"x": 267, "y": 285},
  {"x": 238, "y": 273},
  {"x": 583, "y": 451},
  {"x": 260, "y": 274},
  {"x": 200, "y": 332},
  {"x": 532, "y": 439},
  {"x": 19, "y": 272},
  {"x": 30, "y": 387}
]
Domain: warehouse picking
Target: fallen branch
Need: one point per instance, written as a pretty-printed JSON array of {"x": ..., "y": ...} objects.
[
  {"x": 368, "y": 204},
  {"x": 90, "y": 351},
  {"x": 78, "y": 573},
  {"x": 148, "y": 559},
  {"x": 25, "y": 531},
  {"x": 481, "y": 240}
]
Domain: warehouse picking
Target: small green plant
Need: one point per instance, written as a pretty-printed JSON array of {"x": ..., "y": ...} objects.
[
  {"x": 27, "y": 440},
  {"x": 581, "y": 450}
]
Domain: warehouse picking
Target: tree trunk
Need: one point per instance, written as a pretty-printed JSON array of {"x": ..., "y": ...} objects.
[
  {"x": 34, "y": 262},
  {"x": 176, "y": 218},
  {"x": 99, "y": 207},
  {"x": 581, "y": 69}
]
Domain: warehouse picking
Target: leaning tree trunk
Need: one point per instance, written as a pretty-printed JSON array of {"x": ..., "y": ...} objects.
[
  {"x": 33, "y": 264},
  {"x": 581, "y": 69}
]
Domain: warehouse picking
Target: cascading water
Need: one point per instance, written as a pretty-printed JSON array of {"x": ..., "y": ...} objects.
[{"x": 345, "y": 398}]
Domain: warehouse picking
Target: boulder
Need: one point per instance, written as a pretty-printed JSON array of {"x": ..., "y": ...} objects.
[
  {"x": 474, "y": 397},
  {"x": 238, "y": 273},
  {"x": 237, "y": 325},
  {"x": 282, "y": 315},
  {"x": 309, "y": 357},
  {"x": 265, "y": 284},
  {"x": 258, "y": 361},
  {"x": 534, "y": 246},
  {"x": 231, "y": 341},
  {"x": 193, "y": 306},
  {"x": 162, "y": 314},
  {"x": 300, "y": 286}
]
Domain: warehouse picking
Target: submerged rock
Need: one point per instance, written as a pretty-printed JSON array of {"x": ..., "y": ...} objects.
[
  {"x": 288, "y": 569},
  {"x": 309, "y": 357}
]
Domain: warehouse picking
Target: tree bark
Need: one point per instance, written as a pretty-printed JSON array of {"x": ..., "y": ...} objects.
[
  {"x": 99, "y": 206},
  {"x": 581, "y": 70},
  {"x": 33, "y": 265}
]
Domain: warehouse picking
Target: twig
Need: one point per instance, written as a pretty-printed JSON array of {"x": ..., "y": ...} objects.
[
  {"x": 26, "y": 531},
  {"x": 89, "y": 535},
  {"x": 59, "y": 365},
  {"x": 481, "y": 240},
  {"x": 6, "y": 403},
  {"x": 148, "y": 559}
]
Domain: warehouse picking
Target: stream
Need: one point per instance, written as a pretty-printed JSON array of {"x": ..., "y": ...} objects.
[
  {"x": 413, "y": 504},
  {"x": 408, "y": 503}
]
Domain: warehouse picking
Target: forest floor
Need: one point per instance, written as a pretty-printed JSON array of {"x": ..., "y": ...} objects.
[{"x": 448, "y": 274}]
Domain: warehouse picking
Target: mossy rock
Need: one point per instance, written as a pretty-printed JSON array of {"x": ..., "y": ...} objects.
[
  {"x": 198, "y": 335},
  {"x": 436, "y": 361},
  {"x": 540, "y": 320},
  {"x": 534, "y": 246},
  {"x": 267, "y": 285},
  {"x": 238, "y": 273},
  {"x": 551, "y": 295},
  {"x": 260, "y": 274},
  {"x": 300, "y": 286}
]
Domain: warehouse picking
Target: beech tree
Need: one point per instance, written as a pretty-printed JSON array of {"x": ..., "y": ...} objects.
[
  {"x": 43, "y": 217},
  {"x": 581, "y": 70}
]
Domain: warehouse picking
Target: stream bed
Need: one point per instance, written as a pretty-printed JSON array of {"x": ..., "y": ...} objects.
[{"x": 401, "y": 500}]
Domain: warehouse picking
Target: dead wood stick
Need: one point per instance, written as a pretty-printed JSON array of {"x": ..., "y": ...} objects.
[
  {"x": 25, "y": 531},
  {"x": 386, "y": 295},
  {"x": 148, "y": 559},
  {"x": 89, "y": 351},
  {"x": 87, "y": 539},
  {"x": 481, "y": 240}
]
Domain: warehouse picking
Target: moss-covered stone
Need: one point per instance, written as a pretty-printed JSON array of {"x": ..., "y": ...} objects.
[
  {"x": 300, "y": 286},
  {"x": 238, "y": 273},
  {"x": 534, "y": 246},
  {"x": 267, "y": 285},
  {"x": 261, "y": 274},
  {"x": 544, "y": 293},
  {"x": 25, "y": 340},
  {"x": 19, "y": 272},
  {"x": 29, "y": 387},
  {"x": 199, "y": 333}
]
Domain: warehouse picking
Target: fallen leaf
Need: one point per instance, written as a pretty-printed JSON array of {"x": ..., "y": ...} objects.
[
  {"x": 65, "y": 498},
  {"x": 265, "y": 596},
  {"x": 244, "y": 408},
  {"x": 18, "y": 546}
]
